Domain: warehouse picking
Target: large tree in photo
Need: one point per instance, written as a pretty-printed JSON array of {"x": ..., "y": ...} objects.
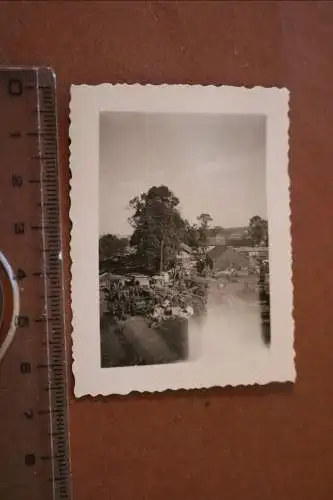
[
  {"x": 158, "y": 228},
  {"x": 204, "y": 220},
  {"x": 191, "y": 235},
  {"x": 111, "y": 245},
  {"x": 258, "y": 231}
]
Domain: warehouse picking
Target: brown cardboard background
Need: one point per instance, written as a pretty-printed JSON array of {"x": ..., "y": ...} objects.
[{"x": 258, "y": 443}]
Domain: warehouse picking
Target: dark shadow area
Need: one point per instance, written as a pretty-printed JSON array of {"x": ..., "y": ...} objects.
[{"x": 135, "y": 342}]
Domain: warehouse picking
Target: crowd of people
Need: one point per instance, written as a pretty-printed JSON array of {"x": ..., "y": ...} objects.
[
  {"x": 181, "y": 297},
  {"x": 127, "y": 298}
]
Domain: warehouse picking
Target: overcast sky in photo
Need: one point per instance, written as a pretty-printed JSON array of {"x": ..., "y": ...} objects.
[{"x": 212, "y": 163}]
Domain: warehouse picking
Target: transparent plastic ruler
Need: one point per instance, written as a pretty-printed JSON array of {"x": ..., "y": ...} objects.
[{"x": 34, "y": 445}]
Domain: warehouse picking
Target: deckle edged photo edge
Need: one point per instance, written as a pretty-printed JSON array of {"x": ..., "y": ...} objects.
[{"x": 180, "y": 240}]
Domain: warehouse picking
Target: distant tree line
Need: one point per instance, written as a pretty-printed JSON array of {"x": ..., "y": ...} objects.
[
  {"x": 111, "y": 245},
  {"x": 258, "y": 231},
  {"x": 159, "y": 229}
]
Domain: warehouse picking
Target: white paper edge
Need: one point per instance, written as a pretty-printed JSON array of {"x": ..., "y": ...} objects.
[{"x": 86, "y": 104}]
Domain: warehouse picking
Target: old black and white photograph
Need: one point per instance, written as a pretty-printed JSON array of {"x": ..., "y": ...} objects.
[
  {"x": 183, "y": 246},
  {"x": 185, "y": 233}
]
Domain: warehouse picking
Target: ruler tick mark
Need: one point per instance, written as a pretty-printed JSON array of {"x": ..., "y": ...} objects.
[
  {"x": 38, "y": 157},
  {"x": 50, "y": 365},
  {"x": 48, "y": 412},
  {"x": 50, "y": 457},
  {"x": 40, "y": 228},
  {"x": 38, "y": 126},
  {"x": 34, "y": 134},
  {"x": 54, "y": 434},
  {"x": 29, "y": 86},
  {"x": 51, "y": 389}
]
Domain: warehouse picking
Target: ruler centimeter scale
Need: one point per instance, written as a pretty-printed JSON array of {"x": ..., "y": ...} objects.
[{"x": 34, "y": 444}]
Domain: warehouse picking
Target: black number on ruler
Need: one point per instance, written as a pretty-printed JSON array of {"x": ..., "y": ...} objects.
[
  {"x": 29, "y": 415},
  {"x": 19, "y": 227},
  {"x": 25, "y": 367},
  {"x": 21, "y": 321},
  {"x": 30, "y": 459},
  {"x": 20, "y": 275},
  {"x": 17, "y": 181},
  {"x": 15, "y": 87}
]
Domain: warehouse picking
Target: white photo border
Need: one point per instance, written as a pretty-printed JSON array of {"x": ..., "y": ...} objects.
[{"x": 277, "y": 364}]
